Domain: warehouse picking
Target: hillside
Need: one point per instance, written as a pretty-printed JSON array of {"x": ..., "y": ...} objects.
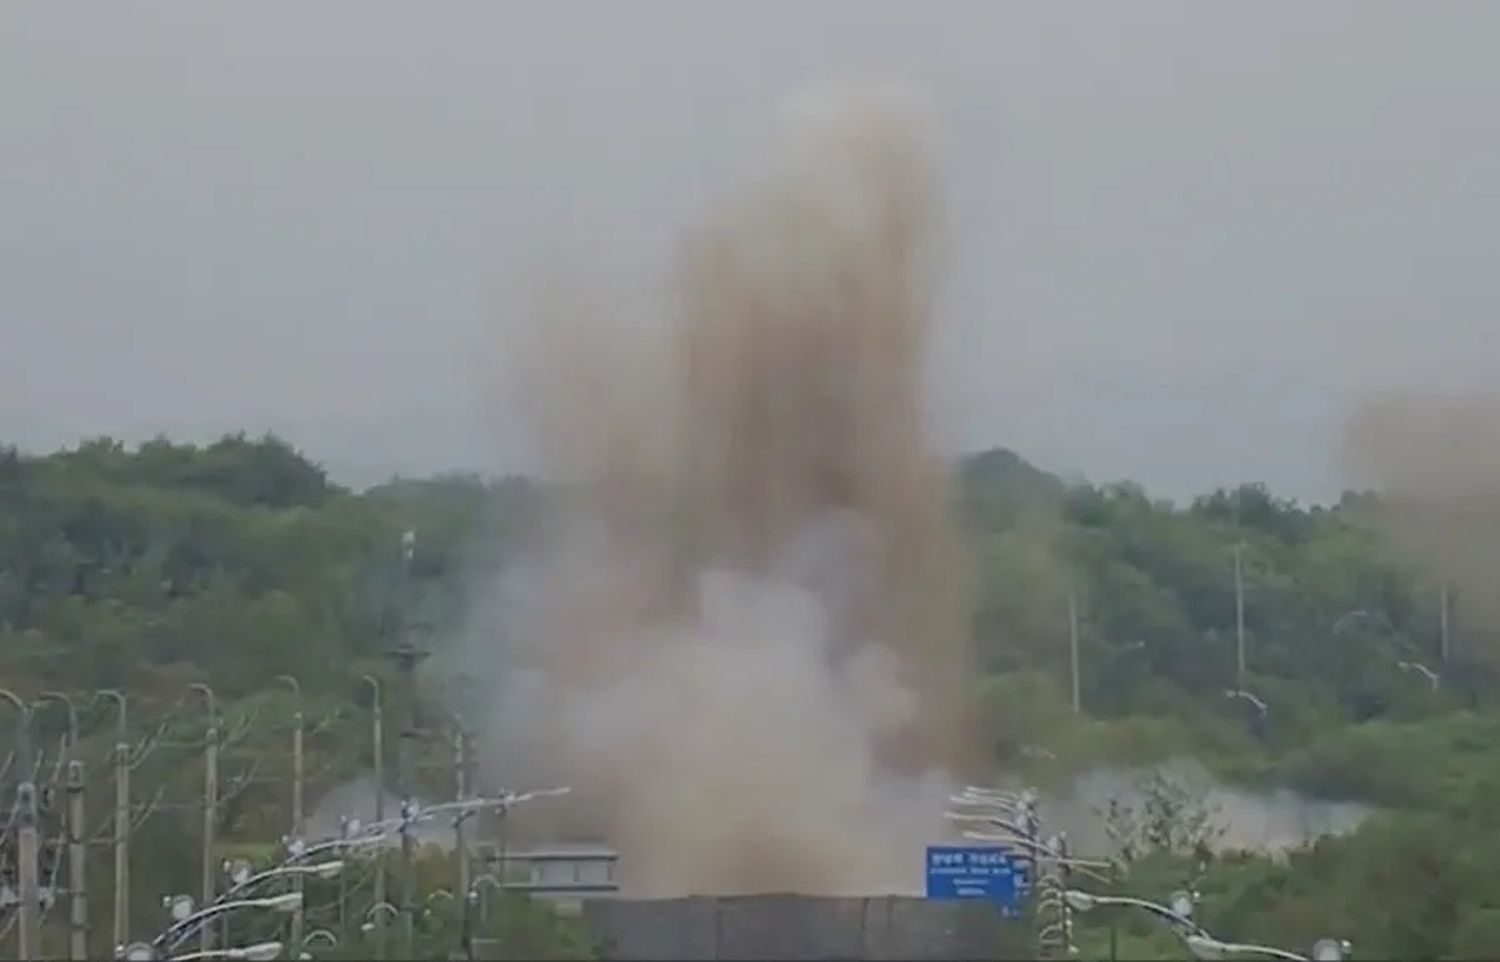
[{"x": 148, "y": 569}]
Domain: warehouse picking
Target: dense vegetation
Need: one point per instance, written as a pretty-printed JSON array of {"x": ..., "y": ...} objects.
[{"x": 151, "y": 568}]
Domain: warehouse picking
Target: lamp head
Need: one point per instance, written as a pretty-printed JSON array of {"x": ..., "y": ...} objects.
[
  {"x": 1080, "y": 901},
  {"x": 259, "y": 952},
  {"x": 330, "y": 869},
  {"x": 179, "y": 907},
  {"x": 287, "y": 902},
  {"x": 1207, "y": 949},
  {"x": 238, "y": 870}
]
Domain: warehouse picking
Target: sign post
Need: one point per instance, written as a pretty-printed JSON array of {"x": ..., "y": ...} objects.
[{"x": 988, "y": 873}]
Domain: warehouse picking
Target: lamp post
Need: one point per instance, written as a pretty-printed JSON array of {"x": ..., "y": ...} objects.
[
  {"x": 298, "y": 825},
  {"x": 259, "y": 952},
  {"x": 1443, "y": 624},
  {"x": 28, "y": 934},
  {"x": 121, "y": 840},
  {"x": 407, "y": 656},
  {"x": 461, "y": 792},
  {"x": 73, "y": 819},
  {"x": 1239, "y": 617},
  {"x": 1017, "y": 814},
  {"x": 1258, "y": 723},
  {"x": 1417, "y": 668},
  {"x": 1198, "y": 940},
  {"x": 1073, "y": 653},
  {"x": 244, "y": 882},
  {"x": 186, "y": 920},
  {"x": 377, "y": 747},
  {"x": 320, "y": 935},
  {"x": 210, "y": 802}
]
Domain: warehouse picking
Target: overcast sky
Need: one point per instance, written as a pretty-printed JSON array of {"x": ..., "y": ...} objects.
[{"x": 1186, "y": 235}]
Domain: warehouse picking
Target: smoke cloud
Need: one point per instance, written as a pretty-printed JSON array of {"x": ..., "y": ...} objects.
[
  {"x": 742, "y": 641},
  {"x": 1435, "y": 461}
]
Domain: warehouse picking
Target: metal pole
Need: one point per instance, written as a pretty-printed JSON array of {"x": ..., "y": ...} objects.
[
  {"x": 406, "y": 655},
  {"x": 460, "y": 834},
  {"x": 408, "y": 881},
  {"x": 1239, "y": 620},
  {"x": 377, "y": 741},
  {"x": 28, "y": 932},
  {"x": 470, "y": 898},
  {"x": 1073, "y": 651},
  {"x": 121, "y": 841},
  {"x": 210, "y": 807},
  {"x": 30, "y": 945},
  {"x": 1443, "y": 622},
  {"x": 78, "y": 898},
  {"x": 73, "y": 829},
  {"x": 299, "y": 827}
]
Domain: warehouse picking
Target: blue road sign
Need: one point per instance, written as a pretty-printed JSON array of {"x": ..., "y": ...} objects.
[{"x": 977, "y": 872}]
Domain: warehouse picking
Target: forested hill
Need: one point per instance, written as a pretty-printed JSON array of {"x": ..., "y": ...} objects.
[
  {"x": 240, "y": 561},
  {"x": 151, "y": 568}
]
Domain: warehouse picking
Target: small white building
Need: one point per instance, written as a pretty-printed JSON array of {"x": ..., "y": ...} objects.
[{"x": 557, "y": 870}]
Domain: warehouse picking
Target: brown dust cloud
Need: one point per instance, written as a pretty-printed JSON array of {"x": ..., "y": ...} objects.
[
  {"x": 1434, "y": 459},
  {"x": 741, "y": 642}
]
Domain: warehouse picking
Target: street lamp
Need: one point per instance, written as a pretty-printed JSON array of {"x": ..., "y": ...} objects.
[
  {"x": 185, "y": 920},
  {"x": 121, "y": 840},
  {"x": 1081, "y": 901},
  {"x": 1245, "y": 696},
  {"x": 995, "y": 820},
  {"x": 1203, "y": 945},
  {"x": 1331, "y": 950},
  {"x": 239, "y": 874},
  {"x": 1211, "y": 950},
  {"x": 28, "y": 938},
  {"x": 317, "y": 935},
  {"x": 1416, "y": 667},
  {"x": 259, "y": 952},
  {"x": 376, "y": 913},
  {"x": 377, "y": 753},
  {"x": 1049, "y": 853},
  {"x": 297, "y": 820},
  {"x": 210, "y": 797},
  {"x": 1348, "y": 618}
]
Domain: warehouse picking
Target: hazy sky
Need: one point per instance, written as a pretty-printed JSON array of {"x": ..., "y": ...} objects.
[{"x": 1185, "y": 235}]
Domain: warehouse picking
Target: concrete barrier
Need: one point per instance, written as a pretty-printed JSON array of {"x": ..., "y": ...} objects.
[{"x": 767, "y": 927}]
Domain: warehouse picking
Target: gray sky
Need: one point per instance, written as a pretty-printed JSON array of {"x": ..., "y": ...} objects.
[{"x": 1186, "y": 235}]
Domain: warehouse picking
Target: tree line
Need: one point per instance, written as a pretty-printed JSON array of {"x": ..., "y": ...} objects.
[{"x": 150, "y": 567}]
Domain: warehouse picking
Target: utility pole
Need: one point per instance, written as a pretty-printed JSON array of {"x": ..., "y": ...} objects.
[
  {"x": 29, "y": 945},
  {"x": 78, "y": 889},
  {"x": 461, "y": 781},
  {"x": 210, "y": 807},
  {"x": 299, "y": 828},
  {"x": 1443, "y": 639},
  {"x": 1073, "y": 651},
  {"x": 121, "y": 841},
  {"x": 73, "y": 829},
  {"x": 377, "y": 742},
  {"x": 407, "y": 655},
  {"x": 1239, "y": 619},
  {"x": 460, "y": 833}
]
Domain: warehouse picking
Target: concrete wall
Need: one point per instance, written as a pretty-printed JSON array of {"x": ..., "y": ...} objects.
[{"x": 764, "y": 927}]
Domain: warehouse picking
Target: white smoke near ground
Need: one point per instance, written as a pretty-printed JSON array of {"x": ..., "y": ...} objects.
[
  {"x": 741, "y": 642},
  {"x": 1234, "y": 819}
]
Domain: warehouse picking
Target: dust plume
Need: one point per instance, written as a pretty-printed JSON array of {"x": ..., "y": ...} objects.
[
  {"x": 1435, "y": 462},
  {"x": 742, "y": 643}
]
